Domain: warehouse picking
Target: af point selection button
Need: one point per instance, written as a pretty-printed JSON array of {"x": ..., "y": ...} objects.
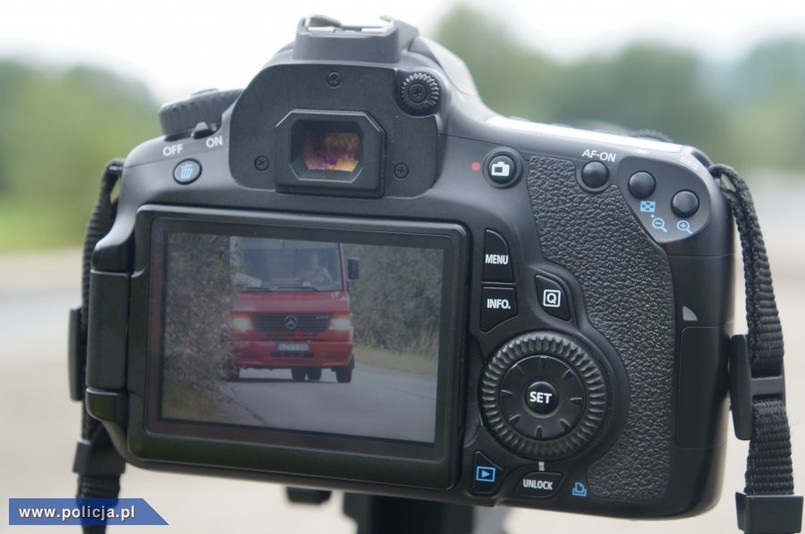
[{"x": 541, "y": 397}]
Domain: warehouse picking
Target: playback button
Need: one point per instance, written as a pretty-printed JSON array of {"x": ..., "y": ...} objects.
[{"x": 486, "y": 475}]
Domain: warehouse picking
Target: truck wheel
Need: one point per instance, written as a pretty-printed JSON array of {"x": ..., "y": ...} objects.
[
  {"x": 343, "y": 374},
  {"x": 313, "y": 373},
  {"x": 231, "y": 373},
  {"x": 298, "y": 374}
]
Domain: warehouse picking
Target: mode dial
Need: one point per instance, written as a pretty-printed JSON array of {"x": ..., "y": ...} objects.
[
  {"x": 543, "y": 396},
  {"x": 181, "y": 116}
]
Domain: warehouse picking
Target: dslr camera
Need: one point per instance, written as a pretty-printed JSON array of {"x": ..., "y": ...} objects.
[{"x": 353, "y": 275}]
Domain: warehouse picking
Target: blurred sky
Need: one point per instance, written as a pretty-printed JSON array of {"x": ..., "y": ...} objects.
[{"x": 181, "y": 46}]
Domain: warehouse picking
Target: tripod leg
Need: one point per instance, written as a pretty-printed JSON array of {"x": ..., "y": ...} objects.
[{"x": 391, "y": 515}]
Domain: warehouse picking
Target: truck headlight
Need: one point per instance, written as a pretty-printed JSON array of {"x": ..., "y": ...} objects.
[
  {"x": 341, "y": 321},
  {"x": 241, "y": 324}
]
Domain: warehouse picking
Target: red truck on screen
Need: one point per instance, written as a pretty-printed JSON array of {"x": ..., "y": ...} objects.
[{"x": 292, "y": 308}]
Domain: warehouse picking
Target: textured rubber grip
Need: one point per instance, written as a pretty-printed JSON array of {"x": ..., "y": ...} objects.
[{"x": 627, "y": 289}]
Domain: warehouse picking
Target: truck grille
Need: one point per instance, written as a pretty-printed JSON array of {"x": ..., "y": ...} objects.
[{"x": 290, "y": 323}]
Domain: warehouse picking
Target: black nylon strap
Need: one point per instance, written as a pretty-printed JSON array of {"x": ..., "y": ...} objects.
[
  {"x": 768, "y": 467},
  {"x": 96, "y": 462},
  {"x": 769, "y": 470},
  {"x": 763, "y": 321}
]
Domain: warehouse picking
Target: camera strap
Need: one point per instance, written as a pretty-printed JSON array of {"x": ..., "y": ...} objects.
[
  {"x": 757, "y": 381},
  {"x": 96, "y": 462}
]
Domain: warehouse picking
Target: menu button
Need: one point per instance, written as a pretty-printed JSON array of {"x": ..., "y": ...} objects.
[{"x": 497, "y": 261}]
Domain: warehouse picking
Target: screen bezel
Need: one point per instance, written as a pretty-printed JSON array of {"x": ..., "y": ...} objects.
[{"x": 301, "y": 452}]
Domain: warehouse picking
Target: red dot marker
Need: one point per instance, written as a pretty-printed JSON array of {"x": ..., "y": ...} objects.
[{"x": 476, "y": 166}]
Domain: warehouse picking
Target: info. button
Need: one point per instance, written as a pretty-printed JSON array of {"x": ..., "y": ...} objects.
[
  {"x": 497, "y": 305},
  {"x": 539, "y": 484}
]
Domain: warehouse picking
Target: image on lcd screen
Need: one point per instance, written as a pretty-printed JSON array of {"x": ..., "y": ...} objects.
[{"x": 313, "y": 336}]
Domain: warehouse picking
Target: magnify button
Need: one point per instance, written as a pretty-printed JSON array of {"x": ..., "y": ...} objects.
[
  {"x": 659, "y": 224},
  {"x": 683, "y": 226}
]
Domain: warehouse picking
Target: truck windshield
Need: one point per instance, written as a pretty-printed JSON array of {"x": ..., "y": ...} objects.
[{"x": 263, "y": 264}]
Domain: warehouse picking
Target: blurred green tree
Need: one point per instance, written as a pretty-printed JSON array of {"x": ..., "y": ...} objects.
[
  {"x": 750, "y": 114},
  {"x": 59, "y": 127},
  {"x": 767, "y": 97}
]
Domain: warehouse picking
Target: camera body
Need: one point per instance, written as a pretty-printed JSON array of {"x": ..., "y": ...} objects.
[{"x": 473, "y": 309}]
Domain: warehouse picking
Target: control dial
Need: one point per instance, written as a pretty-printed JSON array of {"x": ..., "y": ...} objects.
[
  {"x": 182, "y": 116},
  {"x": 543, "y": 396}
]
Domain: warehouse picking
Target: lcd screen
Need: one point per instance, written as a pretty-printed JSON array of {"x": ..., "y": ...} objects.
[{"x": 323, "y": 337}]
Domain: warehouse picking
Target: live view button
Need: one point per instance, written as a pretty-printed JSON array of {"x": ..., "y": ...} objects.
[{"x": 539, "y": 484}]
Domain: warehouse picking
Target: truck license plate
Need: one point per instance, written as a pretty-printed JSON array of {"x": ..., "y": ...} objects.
[{"x": 292, "y": 347}]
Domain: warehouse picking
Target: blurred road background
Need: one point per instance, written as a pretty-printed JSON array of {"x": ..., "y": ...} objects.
[{"x": 80, "y": 83}]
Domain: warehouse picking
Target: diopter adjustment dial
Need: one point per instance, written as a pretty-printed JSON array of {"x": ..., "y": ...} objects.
[
  {"x": 181, "y": 116},
  {"x": 420, "y": 93},
  {"x": 543, "y": 396}
]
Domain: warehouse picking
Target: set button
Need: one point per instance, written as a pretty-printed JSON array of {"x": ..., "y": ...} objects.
[{"x": 542, "y": 397}]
